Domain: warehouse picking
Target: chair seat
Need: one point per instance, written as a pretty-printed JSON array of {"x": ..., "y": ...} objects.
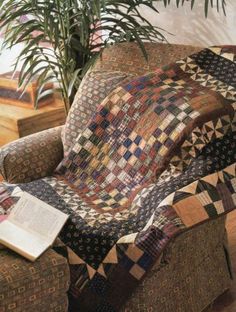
[{"x": 39, "y": 286}]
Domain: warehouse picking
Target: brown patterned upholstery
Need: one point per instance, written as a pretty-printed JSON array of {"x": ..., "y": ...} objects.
[
  {"x": 39, "y": 286},
  {"x": 92, "y": 91},
  {"x": 31, "y": 157},
  {"x": 127, "y": 57}
]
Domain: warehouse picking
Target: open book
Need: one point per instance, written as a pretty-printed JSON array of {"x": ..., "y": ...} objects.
[{"x": 31, "y": 227}]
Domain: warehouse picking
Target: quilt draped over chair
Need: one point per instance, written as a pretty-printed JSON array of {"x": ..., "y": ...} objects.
[{"x": 156, "y": 158}]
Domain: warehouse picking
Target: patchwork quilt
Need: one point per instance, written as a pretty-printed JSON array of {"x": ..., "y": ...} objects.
[{"x": 157, "y": 157}]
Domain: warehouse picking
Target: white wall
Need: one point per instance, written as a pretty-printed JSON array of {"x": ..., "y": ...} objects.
[
  {"x": 7, "y": 57},
  {"x": 191, "y": 27}
]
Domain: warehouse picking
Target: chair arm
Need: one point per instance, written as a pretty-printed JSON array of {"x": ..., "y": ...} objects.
[{"x": 32, "y": 157}]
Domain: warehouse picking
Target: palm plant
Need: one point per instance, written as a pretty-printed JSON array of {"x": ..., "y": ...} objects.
[{"x": 63, "y": 38}]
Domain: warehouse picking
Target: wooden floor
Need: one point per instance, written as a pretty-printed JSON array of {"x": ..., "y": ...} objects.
[{"x": 227, "y": 302}]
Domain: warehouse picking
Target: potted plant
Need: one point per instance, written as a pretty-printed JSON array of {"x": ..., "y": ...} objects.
[{"x": 63, "y": 38}]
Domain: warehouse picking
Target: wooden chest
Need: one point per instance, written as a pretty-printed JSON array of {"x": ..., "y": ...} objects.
[
  {"x": 9, "y": 93},
  {"x": 17, "y": 122}
]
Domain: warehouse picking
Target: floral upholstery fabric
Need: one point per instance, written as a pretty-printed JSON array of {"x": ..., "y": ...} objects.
[
  {"x": 95, "y": 86},
  {"x": 124, "y": 204}
]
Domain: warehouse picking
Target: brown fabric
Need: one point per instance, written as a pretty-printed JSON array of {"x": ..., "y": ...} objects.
[
  {"x": 192, "y": 272},
  {"x": 127, "y": 57},
  {"x": 39, "y": 286},
  {"x": 31, "y": 157},
  {"x": 93, "y": 90}
]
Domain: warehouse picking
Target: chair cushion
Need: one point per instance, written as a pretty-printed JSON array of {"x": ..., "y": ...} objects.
[{"x": 94, "y": 88}]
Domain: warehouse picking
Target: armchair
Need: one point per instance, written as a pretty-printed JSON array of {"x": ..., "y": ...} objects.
[{"x": 193, "y": 268}]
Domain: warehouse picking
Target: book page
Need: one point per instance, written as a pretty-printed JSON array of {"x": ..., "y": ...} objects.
[
  {"x": 38, "y": 217},
  {"x": 27, "y": 244}
]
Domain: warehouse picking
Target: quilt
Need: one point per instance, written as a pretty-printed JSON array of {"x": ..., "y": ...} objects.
[{"x": 156, "y": 158}]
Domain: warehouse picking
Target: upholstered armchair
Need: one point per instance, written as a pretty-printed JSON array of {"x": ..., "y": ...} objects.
[{"x": 193, "y": 269}]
